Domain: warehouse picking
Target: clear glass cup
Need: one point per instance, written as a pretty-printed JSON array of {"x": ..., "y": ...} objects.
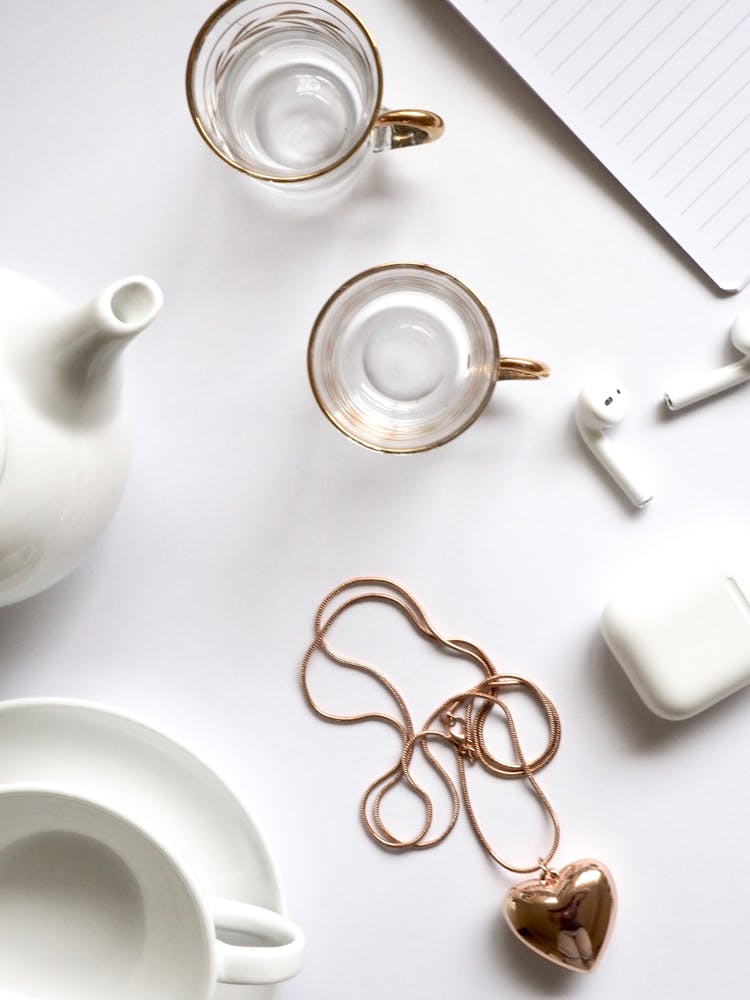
[
  {"x": 404, "y": 357},
  {"x": 290, "y": 93}
]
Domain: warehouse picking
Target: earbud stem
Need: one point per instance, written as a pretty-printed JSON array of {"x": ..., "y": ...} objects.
[
  {"x": 693, "y": 390},
  {"x": 626, "y": 475}
]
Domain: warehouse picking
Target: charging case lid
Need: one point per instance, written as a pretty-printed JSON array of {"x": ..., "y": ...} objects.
[{"x": 678, "y": 622}]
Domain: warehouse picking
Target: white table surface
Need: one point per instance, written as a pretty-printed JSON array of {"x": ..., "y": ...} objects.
[{"x": 244, "y": 506}]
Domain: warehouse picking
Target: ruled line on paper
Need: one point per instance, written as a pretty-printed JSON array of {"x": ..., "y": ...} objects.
[
  {"x": 589, "y": 36},
  {"x": 565, "y": 25},
  {"x": 675, "y": 88},
  {"x": 692, "y": 104},
  {"x": 538, "y": 18},
  {"x": 515, "y": 7},
  {"x": 708, "y": 121},
  {"x": 733, "y": 230},
  {"x": 709, "y": 154},
  {"x": 659, "y": 90},
  {"x": 659, "y": 68},
  {"x": 638, "y": 55},
  {"x": 614, "y": 45},
  {"x": 724, "y": 205},
  {"x": 715, "y": 180}
]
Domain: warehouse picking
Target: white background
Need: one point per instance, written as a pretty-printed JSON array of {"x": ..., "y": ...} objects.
[{"x": 244, "y": 506}]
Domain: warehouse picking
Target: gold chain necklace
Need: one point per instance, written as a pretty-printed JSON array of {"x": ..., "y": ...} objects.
[{"x": 564, "y": 916}]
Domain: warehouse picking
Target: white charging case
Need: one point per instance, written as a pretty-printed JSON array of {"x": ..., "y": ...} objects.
[{"x": 678, "y": 622}]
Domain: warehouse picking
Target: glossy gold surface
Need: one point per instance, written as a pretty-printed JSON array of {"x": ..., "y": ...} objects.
[
  {"x": 566, "y": 917},
  {"x": 520, "y": 368},
  {"x": 411, "y": 128}
]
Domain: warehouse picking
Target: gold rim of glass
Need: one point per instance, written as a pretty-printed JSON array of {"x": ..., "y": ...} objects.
[
  {"x": 197, "y": 45},
  {"x": 408, "y": 265}
]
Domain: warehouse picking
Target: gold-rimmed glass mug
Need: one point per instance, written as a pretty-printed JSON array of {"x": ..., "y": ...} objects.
[
  {"x": 405, "y": 357},
  {"x": 289, "y": 92}
]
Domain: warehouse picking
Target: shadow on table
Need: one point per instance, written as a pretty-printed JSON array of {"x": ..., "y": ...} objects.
[
  {"x": 33, "y": 625},
  {"x": 646, "y": 732},
  {"x": 521, "y": 965}
]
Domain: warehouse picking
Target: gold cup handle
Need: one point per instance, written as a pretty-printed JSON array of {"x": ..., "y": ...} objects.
[
  {"x": 520, "y": 368},
  {"x": 396, "y": 129}
]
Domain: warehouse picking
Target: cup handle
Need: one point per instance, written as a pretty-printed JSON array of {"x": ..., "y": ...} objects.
[
  {"x": 520, "y": 369},
  {"x": 256, "y": 965},
  {"x": 397, "y": 129}
]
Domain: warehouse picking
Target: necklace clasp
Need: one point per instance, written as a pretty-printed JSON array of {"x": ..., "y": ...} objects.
[{"x": 457, "y": 734}]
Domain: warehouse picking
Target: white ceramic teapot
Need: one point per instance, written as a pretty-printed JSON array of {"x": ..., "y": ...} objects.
[{"x": 64, "y": 442}]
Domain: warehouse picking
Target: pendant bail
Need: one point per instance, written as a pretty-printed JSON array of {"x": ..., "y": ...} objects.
[{"x": 548, "y": 874}]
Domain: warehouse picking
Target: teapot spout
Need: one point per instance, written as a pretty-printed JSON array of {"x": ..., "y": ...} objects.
[
  {"x": 71, "y": 368},
  {"x": 127, "y": 307},
  {"x": 64, "y": 441}
]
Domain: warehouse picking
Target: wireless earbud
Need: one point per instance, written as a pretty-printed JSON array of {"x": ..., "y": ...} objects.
[
  {"x": 601, "y": 405},
  {"x": 693, "y": 390}
]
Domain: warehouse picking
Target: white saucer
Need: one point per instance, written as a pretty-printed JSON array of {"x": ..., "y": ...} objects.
[{"x": 149, "y": 777}]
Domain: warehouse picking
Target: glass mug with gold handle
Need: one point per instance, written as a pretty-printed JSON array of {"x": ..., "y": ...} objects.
[
  {"x": 404, "y": 357},
  {"x": 290, "y": 93}
]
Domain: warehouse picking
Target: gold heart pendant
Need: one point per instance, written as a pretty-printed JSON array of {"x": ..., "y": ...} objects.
[{"x": 565, "y": 916}]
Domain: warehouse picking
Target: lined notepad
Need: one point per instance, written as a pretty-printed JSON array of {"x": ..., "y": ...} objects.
[{"x": 659, "y": 90}]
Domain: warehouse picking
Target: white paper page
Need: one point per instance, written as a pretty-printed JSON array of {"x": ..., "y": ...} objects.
[{"x": 659, "y": 90}]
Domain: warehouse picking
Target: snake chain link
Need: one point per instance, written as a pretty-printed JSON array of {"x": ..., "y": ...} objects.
[{"x": 466, "y": 712}]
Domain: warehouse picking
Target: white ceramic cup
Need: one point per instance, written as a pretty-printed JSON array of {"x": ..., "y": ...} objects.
[{"x": 92, "y": 906}]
